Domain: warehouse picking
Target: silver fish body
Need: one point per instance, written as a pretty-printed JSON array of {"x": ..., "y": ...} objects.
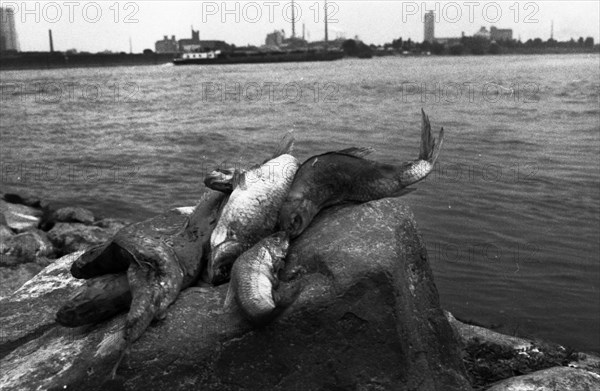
[
  {"x": 251, "y": 213},
  {"x": 343, "y": 176},
  {"x": 254, "y": 278}
]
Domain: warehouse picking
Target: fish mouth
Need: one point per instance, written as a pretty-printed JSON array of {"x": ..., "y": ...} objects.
[
  {"x": 220, "y": 179},
  {"x": 221, "y": 260}
]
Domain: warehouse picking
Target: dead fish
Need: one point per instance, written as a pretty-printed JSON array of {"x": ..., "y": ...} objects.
[
  {"x": 346, "y": 176},
  {"x": 254, "y": 278},
  {"x": 252, "y": 210},
  {"x": 162, "y": 256},
  {"x": 98, "y": 299}
]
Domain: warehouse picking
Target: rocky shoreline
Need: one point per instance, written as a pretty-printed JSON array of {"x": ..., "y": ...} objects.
[
  {"x": 33, "y": 235},
  {"x": 368, "y": 318}
]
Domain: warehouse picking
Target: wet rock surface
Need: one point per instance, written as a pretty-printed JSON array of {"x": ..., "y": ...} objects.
[
  {"x": 367, "y": 317},
  {"x": 19, "y": 217}
]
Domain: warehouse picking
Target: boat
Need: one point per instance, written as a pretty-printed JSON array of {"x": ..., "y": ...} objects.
[{"x": 255, "y": 57}]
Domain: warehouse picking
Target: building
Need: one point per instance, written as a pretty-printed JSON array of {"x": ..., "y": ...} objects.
[
  {"x": 275, "y": 39},
  {"x": 482, "y": 33},
  {"x": 167, "y": 45},
  {"x": 8, "y": 32},
  {"x": 429, "y": 34},
  {"x": 193, "y": 44},
  {"x": 500, "y": 34}
]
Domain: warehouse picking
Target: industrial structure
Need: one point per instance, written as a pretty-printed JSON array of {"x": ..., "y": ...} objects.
[
  {"x": 8, "y": 32},
  {"x": 493, "y": 34},
  {"x": 187, "y": 45}
]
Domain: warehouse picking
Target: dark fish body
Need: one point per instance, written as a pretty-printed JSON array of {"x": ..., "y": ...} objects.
[
  {"x": 98, "y": 299},
  {"x": 346, "y": 176},
  {"x": 254, "y": 278},
  {"x": 162, "y": 256}
]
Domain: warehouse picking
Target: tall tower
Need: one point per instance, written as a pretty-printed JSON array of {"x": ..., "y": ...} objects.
[
  {"x": 326, "y": 28},
  {"x": 429, "y": 27},
  {"x": 293, "y": 20},
  {"x": 8, "y": 32}
]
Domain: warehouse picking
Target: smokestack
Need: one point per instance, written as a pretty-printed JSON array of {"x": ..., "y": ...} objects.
[
  {"x": 51, "y": 42},
  {"x": 303, "y": 32},
  {"x": 326, "y": 33},
  {"x": 293, "y": 20}
]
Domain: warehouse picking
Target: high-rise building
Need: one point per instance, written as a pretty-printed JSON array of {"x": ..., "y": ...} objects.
[
  {"x": 429, "y": 27},
  {"x": 8, "y": 32}
]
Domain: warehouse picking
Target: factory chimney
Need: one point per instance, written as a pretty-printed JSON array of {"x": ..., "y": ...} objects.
[
  {"x": 51, "y": 42},
  {"x": 326, "y": 32}
]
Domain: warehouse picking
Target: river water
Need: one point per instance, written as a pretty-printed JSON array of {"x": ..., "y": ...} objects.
[{"x": 511, "y": 214}]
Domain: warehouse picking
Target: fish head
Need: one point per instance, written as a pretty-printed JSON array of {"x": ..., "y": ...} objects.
[
  {"x": 221, "y": 260},
  {"x": 296, "y": 214},
  {"x": 220, "y": 179},
  {"x": 278, "y": 244}
]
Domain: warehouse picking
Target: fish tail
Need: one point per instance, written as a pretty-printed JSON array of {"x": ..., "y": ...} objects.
[
  {"x": 285, "y": 146},
  {"x": 417, "y": 170},
  {"x": 430, "y": 147}
]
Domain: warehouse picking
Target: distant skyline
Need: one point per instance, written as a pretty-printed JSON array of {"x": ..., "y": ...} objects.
[{"x": 109, "y": 25}]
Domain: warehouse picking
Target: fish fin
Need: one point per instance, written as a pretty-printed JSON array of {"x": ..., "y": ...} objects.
[
  {"x": 114, "y": 341},
  {"x": 403, "y": 191},
  {"x": 230, "y": 305},
  {"x": 430, "y": 147},
  {"x": 286, "y": 145},
  {"x": 359, "y": 152},
  {"x": 239, "y": 180}
]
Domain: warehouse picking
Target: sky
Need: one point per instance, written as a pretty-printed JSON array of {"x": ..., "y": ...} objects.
[{"x": 110, "y": 25}]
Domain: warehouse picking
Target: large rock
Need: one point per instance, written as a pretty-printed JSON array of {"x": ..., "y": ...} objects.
[
  {"x": 72, "y": 214},
  {"x": 552, "y": 379},
  {"x": 71, "y": 237},
  {"x": 491, "y": 356},
  {"x": 367, "y": 318},
  {"x": 20, "y": 217},
  {"x": 25, "y": 247}
]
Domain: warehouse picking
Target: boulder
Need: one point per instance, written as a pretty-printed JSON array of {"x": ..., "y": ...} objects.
[
  {"x": 71, "y": 237},
  {"x": 491, "y": 356},
  {"x": 26, "y": 247},
  {"x": 72, "y": 214},
  {"x": 20, "y": 217},
  {"x": 552, "y": 379},
  {"x": 27, "y": 200},
  {"x": 367, "y": 317}
]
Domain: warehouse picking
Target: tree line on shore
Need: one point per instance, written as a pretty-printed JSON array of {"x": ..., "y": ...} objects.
[{"x": 469, "y": 45}]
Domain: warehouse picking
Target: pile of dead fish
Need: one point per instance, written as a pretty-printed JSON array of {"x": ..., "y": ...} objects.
[{"x": 239, "y": 232}]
